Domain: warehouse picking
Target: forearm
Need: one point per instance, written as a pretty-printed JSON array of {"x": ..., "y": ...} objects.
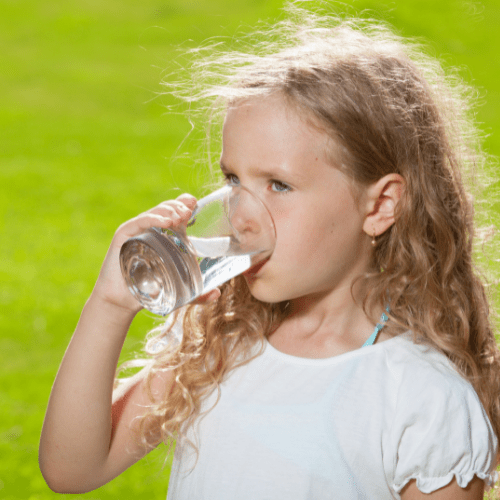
[
  {"x": 76, "y": 450},
  {"x": 77, "y": 428}
]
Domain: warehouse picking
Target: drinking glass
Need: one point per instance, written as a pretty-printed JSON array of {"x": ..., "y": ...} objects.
[{"x": 229, "y": 232}]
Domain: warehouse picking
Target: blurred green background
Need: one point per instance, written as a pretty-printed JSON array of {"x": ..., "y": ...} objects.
[{"x": 86, "y": 143}]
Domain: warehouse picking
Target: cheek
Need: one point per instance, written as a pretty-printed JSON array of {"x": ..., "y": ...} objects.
[
  {"x": 282, "y": 220},
  {"x": 300, "y": 232},
  {"x": 284, "y": 224}
]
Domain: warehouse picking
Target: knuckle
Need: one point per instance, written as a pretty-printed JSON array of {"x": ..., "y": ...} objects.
[
  {"x": 166, "y": 211},
  {"x": 187, "y": 199}
]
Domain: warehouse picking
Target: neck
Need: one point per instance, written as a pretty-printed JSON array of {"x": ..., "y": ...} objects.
[{"x": 326, "y": 324}]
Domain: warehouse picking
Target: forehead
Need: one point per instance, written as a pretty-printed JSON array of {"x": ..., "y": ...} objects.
[
  {"x": 270, "y": 137},
  {"x": 268, "y": 127}
]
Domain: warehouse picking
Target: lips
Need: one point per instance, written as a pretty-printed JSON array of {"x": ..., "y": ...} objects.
[{"x": 252, "y": 272}]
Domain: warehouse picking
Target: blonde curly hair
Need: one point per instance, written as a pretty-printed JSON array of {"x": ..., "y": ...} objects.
[{"x": 395, "y": 111}]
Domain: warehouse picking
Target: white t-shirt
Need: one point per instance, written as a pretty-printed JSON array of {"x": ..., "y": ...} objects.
[{"x": 360, "y": 425}]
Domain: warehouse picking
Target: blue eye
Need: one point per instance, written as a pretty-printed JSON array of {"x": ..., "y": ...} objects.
[
  {"x": 280, "y": 187},
  {"x": 276, "y": 186},
  {"x": 231, "y": 179}
]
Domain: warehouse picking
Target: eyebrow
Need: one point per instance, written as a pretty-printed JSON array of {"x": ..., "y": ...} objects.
[{"x": 272, "y": 174}]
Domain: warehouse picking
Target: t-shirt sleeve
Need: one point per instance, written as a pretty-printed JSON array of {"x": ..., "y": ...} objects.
[{"x": 440, "y": 430}]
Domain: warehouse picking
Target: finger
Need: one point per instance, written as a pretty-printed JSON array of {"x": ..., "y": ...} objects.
[
  {"x": 211, "y": 296},
  {"x": 145, "y": 221},
  {"x": 177, "y": 211},
  {"x": 176, "y": 204},
  {"x": 188, "y": 199},
  {"x": 173, "y": 209},
  {"x": 169, "y": 214}
]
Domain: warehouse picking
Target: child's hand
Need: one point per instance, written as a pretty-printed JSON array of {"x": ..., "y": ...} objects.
[
  {"x": 111, "y": 286},
  {"x": 208, "y": 297}
]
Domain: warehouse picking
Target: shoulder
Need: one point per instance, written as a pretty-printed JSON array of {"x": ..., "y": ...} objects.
[
  {"x": 421, "y": 385},
  {"x": 429, "y": 387},
  {"x": 418, "y": 368},
  {"x": 439, "y": 427}
]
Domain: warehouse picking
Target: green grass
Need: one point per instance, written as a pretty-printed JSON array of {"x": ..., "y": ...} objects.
[{"x": 85, "y": 145}]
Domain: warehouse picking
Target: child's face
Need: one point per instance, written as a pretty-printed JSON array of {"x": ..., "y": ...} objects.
[{"x": 320, "y": 243}]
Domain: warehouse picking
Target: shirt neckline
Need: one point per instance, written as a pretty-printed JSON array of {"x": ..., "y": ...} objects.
[{"x": 362, "y": 351}]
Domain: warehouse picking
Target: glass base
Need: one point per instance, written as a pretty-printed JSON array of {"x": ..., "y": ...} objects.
[{"x": 161, "y": 271}]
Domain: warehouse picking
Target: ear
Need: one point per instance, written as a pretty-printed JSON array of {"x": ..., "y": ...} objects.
[{"x": 381, "y": 199}]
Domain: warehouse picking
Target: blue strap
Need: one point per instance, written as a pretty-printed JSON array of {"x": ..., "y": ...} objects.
[{"x": 373, "y": 337}]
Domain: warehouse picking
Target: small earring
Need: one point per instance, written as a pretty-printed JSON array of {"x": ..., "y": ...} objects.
[{"x": 374, "y": 241}]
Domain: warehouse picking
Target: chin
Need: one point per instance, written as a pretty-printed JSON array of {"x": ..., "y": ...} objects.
[{"x": 264, "y": 293}]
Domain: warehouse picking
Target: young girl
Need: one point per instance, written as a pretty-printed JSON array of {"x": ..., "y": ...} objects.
[{"x": 359, "y": 361}]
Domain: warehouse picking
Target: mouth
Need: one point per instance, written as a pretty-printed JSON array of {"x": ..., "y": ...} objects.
[{"x": 252, "y": 272}]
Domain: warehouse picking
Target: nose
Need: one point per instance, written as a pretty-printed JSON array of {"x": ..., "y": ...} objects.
[
  {"x": 245, "y": 228},
  {"x": 244, "y": 214},
  {"x": 251, "y": 222}
]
